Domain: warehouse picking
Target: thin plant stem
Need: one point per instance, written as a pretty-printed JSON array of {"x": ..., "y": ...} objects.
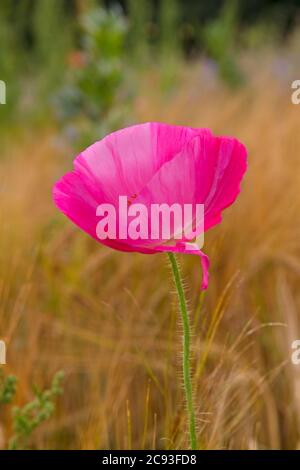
[{"x": 186, "y": 350}]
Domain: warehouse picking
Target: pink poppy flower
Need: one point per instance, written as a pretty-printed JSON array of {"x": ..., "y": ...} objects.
[{"x": 154, "y": 163}]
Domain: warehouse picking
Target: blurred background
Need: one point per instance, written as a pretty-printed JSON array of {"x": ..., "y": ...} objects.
[{"x": 93, "y": 335}]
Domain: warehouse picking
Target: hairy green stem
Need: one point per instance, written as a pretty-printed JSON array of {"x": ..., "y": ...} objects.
[{"x": 186, "y": 350}]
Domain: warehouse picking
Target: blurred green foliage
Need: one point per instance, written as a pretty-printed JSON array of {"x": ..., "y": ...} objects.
[
  {"x": 79, "y": 60},
  {"x": 91, "y": 102},
  {"x": 169, "y": 16},
  {"x": 8, "y": 387},
  {"x": 35, "y": 37},
  {"x": 140, "y": 14},
  {"x": 170, "y": 41},
  {"x": 9, "y": 63},
  {"x": 29, "y": 417},
  {"x": 220, "y": 39},
  {"x": 52, "y": 41}
]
